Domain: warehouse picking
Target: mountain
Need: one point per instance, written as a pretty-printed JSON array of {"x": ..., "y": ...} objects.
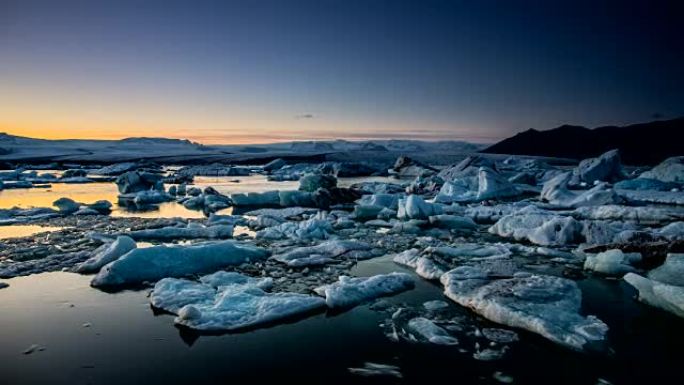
[{"x": 639, "y": 144}]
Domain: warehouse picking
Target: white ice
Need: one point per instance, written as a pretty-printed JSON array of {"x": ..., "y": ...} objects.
[
  {"x": 546, "y": 305},
  {"x": 107, "y": 253},
  {"x": 154, "y": 263},
  {"x": 351, "y": 291}
]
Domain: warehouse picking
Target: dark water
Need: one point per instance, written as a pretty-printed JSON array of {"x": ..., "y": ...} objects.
[{"x": 127, "y": 344}]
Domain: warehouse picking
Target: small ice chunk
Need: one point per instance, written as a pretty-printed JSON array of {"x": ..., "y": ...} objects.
[
  {"x": 349, "y": 292},
  {"x": 435, "y": 305},
  {"x": 501, "y": 336},
  {"x": 612, "y": 262},
  {"x": 371, "y": 369},
  {"x": 431, "y": 332}
]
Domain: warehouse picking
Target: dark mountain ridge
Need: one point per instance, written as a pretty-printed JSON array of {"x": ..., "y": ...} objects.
[{"x": 639, "y": 144}]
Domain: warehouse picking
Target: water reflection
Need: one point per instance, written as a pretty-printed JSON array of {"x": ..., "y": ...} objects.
[
  {"x": 23, "y": 230},
  {"x": 91, "y": 192}
]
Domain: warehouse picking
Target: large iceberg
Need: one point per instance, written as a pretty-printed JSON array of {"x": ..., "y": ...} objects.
[
  {"x": 351, "y": 291},
  {"x": 154, "y": 263},
  {"x": 546, "y": 305}
]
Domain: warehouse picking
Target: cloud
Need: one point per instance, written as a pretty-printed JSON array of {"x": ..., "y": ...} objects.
[{"x": 304, "y": 116}]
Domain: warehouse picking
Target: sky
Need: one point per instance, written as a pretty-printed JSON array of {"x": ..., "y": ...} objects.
[{"x": 262, "y": 71}]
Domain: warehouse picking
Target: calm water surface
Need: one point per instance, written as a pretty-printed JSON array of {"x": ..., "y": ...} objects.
[{"x": 92, "y": 337}]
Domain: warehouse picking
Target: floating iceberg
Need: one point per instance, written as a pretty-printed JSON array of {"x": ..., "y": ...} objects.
[
  {"x": 539, "y": 227},
  {"x": 640, "y": 214},
  {"x": 424, "y": 267},
  {"x": 154, "y": 263},
  {"x": 431, "y": 332},
  {"x": 452, "y": 222},
  {"x": 414, "y": 207},
  {"x": 228, "y": 301},
  {"x": 657, "y": 294},
  {"x": 317, "y": 227},
  {"x": 612, "y": 262},
  {"x": 671, "y": 272},
  {"x": 493, "y": 186},
  {"x": 605, "y": 168},
  {"x": 171, "y": 294},
  {"x": 546, "y": 305},
  {"x": 192, "y": 231},
  {"x": 348, "y": 292},
  {"x": 670, "y": 170},
  {"x": 324, "y": 252},
  {"x": 107, "y": 253},
  {"x": 313, "y": 181}
]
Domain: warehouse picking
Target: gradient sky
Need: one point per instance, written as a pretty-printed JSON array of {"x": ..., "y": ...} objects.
[{"x": 260, "y": 71}]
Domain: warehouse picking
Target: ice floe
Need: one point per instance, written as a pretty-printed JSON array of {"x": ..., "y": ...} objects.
[
  {"x": 658, "y": 294},
  {"x": 324, "y": 252},
  {"x": 107, "y": 253},
  {"x": 546, "y": 305},
  {"x": 351, "y": 291},
  {"x": 612, "y": 262},
  {"x": 228, "y": 301},
  {"x": 154, "y": 263},
  {"x": 429, "y": 331}
]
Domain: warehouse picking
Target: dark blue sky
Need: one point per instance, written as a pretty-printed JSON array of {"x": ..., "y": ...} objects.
[{"x": 231, "y": 71}]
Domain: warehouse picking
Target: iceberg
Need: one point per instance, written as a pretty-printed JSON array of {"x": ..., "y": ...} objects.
[
  {"x": 670, "y": 170},
  {"x": 493, "y": 186},
  {"x": 414, "y": 207},
  {"x": 612, "y": 262},
  {"x": 658, "y": 294},
  {"x": 546, "y": 305},
  {"x": 431, "y": 332},
  {"x": 671, "y": 272},
  {"x": 316, "y": 227},
  {"x": 326, "y": 251},
  {"x": 154, "y": 263},
  {"x": 605, "y": 168},
  {"x": 424, "y": 267},
  {"x": 640, "y": 214},
  {"x": 313, "y": 181},
  {"x": 539, "y": 227},
  {"x": 348, "y": 292},
  {"x": 192, "y": 231},
  {"x": 228, "y": 302},
  {"x": 105, "y": 254},
  {"x": 452, "y": 222}
]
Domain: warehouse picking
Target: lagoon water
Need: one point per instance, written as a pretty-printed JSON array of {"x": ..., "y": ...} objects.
[{"x": 93, "y": 337}]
